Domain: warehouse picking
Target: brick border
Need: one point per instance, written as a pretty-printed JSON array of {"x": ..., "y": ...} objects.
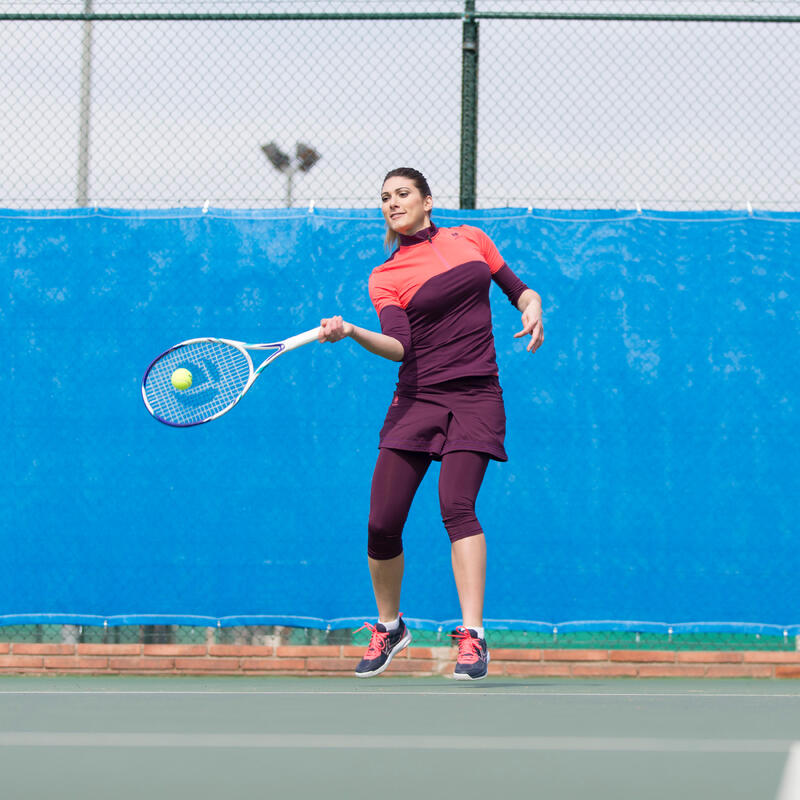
[{"x": 212, "y": 659}]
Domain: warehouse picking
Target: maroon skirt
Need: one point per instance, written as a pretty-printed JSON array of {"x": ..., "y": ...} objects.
[{"x": 462, "y": 414}]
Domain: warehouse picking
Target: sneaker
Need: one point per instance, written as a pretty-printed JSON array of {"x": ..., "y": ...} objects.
[
  {"x": 473, "y": 656},
  {"x": 382, "y": 648}
]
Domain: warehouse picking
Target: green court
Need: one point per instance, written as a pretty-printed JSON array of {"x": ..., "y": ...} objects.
[{"x": 98, "y": 737}]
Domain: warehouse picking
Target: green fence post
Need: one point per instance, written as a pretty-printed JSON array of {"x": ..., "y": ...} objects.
[
  {"x": 85, "y": 108},
  {"x": 469, "y": 105}
]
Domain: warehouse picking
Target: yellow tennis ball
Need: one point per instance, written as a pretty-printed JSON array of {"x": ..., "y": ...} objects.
[{"x": 181, "y": 379}]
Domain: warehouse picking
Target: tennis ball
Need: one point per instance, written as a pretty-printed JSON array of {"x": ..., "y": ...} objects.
[{"x": 181, "y": 379}]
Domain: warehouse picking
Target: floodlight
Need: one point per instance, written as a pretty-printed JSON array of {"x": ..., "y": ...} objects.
[
  {"x": 307, "y": 156},
  {"x": 277, "y": 157}
]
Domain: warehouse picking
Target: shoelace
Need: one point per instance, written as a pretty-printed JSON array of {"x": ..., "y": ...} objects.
[
  {"x": 469, "y": 648},
  {"x": 377, "y": 643}
]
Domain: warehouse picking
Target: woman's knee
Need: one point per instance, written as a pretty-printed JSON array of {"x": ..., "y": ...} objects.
[
  {"x": 384, "y": 541},
  {"x": 458, "y": 516}
]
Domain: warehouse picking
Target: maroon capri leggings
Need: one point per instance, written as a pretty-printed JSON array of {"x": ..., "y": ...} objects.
[{"x": 397, "y": 476}]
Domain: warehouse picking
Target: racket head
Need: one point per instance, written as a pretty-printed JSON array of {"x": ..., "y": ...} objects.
[{"x": 222, "y": 371}]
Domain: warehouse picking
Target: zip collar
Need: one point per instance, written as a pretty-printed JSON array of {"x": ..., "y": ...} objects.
[{"x": 424, "y": 235}]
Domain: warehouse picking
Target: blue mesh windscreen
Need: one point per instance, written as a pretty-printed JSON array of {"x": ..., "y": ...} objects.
[{"x": 653, "y": 440}]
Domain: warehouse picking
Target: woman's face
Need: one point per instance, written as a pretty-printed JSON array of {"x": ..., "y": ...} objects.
[{"x": 404, "y": 208}]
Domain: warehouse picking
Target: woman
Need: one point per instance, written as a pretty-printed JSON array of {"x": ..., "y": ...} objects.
[{"x": 432, "y": 298}]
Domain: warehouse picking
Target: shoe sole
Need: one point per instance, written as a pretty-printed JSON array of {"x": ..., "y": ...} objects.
[
  {"x": 401, "y": 645},
  {"x": 462, "y": 676}
]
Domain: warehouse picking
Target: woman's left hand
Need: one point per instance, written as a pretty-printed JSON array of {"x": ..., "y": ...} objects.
[{"x": 532, "y": 325}]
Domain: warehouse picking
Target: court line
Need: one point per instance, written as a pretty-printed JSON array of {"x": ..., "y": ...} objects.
[
  {"x": 302, "y": 741},
  {"x": 465, "y": 692},
  {"x": 790, "y": 782}
]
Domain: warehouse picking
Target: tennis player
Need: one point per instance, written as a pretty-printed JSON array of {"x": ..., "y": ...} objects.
[{"x": 432, "y": 298}]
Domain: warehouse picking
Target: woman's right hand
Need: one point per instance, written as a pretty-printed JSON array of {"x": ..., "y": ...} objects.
[{"x": 333, "y": 329}]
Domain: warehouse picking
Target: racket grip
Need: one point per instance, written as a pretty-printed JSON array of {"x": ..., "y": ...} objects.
[{"x": 302, "y": 338}]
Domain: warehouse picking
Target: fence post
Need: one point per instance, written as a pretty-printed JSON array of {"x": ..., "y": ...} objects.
[
  {"x": 469, "y": 105},
  {"x": 85, "y": 109}
]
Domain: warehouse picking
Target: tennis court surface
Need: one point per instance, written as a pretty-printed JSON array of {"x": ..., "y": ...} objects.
[{"x": 141, "y": 737}]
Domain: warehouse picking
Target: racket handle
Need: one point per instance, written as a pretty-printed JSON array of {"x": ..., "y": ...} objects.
[{"x": 302, "y": 338}]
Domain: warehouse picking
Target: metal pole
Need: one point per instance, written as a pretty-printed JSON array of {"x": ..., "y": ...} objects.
[
  {"x": 469, "y": 105},
  {"x": 85, "y": 109},
  {"x": 289, "y": 178}
]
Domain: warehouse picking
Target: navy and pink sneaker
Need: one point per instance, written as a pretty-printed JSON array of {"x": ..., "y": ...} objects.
[
  {"x": 383, "y": 645},
  {"x": 473, "y": 656}
]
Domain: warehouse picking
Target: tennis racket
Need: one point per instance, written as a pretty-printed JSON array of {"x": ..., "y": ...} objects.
[{"x": 221, "y": 373}]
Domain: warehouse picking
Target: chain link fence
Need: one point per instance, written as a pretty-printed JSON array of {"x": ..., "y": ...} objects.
[
  {"x": 574, "y": 104},
  {"x": 544, "y": 103},
  {"x": 273, "y": 635}
]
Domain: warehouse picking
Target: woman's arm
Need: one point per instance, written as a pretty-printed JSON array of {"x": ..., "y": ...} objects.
[
  {"x": 335, "y": 328},
  {"x": 530, "y": 304}
]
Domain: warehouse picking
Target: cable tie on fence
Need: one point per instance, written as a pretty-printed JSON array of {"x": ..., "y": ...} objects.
[
  {"x": 749, "y": 208},
  {"x": 311, "y": 207},
  {"x": 530, "y": 209},
  {"x": 638, "y": 207},
  {"x": 205, "y": 207}
]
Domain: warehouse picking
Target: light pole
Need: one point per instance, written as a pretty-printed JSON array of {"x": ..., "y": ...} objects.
[{"x": 305, "y": 158}]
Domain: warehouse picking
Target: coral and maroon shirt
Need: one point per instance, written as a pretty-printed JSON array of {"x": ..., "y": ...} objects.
[{"x": 432, "y": 295}]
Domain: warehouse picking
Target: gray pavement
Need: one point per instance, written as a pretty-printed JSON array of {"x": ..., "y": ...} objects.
[{"x": 152, "y": 738}]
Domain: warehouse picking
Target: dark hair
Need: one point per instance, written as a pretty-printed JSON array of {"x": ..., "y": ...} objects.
[{"x": 418, "y": 179}]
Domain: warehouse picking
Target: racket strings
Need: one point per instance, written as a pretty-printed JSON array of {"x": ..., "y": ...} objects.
[{"x": 220, "y": 373}]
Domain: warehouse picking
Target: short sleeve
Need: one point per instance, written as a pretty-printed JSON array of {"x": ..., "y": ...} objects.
[
  {"x": 381, "y": 294},
  {"x": 487, "y": 248}
]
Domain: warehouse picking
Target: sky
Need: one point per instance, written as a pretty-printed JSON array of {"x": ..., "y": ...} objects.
[{"x": 571, "y": 113}]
